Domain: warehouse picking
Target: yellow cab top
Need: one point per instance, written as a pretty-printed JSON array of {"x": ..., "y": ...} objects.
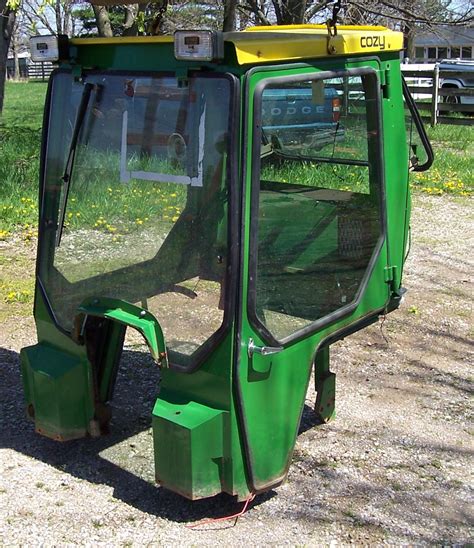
[
  {"x": 294, "y": 42},
  {"x": 257, "y": 45}
]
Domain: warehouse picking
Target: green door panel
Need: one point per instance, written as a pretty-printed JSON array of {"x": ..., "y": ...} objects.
[
  {"x": 302, "y": 231},
  {"x": 272, "y": 402}
]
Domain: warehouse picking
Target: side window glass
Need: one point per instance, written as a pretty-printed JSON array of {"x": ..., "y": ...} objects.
[{"x": 319, "y": 215}]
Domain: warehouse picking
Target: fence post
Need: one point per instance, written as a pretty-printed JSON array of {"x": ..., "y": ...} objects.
[{"x": 435, "y": 96}]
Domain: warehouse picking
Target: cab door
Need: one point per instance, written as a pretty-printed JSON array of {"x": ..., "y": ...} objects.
[{"x": 314, "y": 245}]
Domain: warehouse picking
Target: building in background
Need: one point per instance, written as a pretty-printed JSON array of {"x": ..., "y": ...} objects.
[
  {"x": 26, "y": 68},
  {"x": 23, "y": 60},
  {"x": 444, "y": 43}
]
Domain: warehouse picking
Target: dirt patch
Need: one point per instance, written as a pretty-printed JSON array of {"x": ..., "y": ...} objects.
[{"x": 395, "y": 466}]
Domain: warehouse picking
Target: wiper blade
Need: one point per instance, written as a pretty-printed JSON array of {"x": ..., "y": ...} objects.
[{"x": 66, "y": 178}]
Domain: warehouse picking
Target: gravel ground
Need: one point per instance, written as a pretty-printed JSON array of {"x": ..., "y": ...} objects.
[{"x": 394, "y": 467}]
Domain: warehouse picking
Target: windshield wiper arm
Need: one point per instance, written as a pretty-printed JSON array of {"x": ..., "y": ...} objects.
[{"x": 66, "y": 178}]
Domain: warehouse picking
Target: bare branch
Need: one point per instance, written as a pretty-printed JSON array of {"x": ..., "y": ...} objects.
[
  {"x": 34, "y": 14},
  {"x": 312, "y": 11},
  {"x": 421, "y": 19},
  {"x": 252, "y": 7},
  {"x": 412, "y": 15}
]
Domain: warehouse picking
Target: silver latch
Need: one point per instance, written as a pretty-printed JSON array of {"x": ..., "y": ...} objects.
[{"x": 263, "y": 350}]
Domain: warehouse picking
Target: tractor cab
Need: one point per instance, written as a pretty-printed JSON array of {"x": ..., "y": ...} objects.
[{"x": 242, "y": 201}]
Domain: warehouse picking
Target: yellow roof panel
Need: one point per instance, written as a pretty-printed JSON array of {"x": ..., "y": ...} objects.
[
  {"x": 258, "y": 45},
  {"x": 297, "y": 42}
]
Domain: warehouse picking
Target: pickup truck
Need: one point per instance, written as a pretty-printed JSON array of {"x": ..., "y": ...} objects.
[
  {"x": 292, "y": 118},
  {"x": 462, "y": 78}
]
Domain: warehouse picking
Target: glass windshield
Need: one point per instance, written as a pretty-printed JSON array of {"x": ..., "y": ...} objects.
[{"x": 136, "y": 199}]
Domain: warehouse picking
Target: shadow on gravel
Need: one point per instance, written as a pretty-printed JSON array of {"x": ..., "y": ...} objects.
[{"x": 134, "y": 397}]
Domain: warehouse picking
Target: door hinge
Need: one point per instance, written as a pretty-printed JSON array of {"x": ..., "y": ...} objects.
[
  {"x": 389, "y": 273},
  {"x": 385, "y": 83}
]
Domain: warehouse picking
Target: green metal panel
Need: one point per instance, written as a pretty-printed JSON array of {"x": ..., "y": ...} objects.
[
  {"x": 146, "y": 57},
  {"x": 325, "y": 385},
  {"x": 58, "y": 392},
  {"x": 396, "y": 166},
  {"x": 133, "y": 316},
  {"x": 189, "y": 451}
]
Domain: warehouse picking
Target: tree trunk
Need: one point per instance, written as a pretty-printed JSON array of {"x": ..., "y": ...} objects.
[
  {"x": 103, "y": 21},
  {"x": 229, "y": 15},
  {"x": 16, "y": 60},
  {"x": 7, "y": 23},
  {"x": 130, "y": 26},
  {"x": 156, "y": 26},
  {"x": 67, "y": 19},
  {"x": 409, "y": 33},
  {"x": 289, "y": 12},
  {"x": 409, "y": 42},
  {"x": 57, "y": 13}
]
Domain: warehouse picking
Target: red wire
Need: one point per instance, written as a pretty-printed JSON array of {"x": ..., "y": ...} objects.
[{"x": 225, "y": 518}]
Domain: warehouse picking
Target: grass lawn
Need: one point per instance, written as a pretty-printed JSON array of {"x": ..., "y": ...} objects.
[{"x": 20, "y": 140}]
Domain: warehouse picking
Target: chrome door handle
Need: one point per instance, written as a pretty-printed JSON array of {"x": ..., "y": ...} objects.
[{"x": 262, "y": 350}]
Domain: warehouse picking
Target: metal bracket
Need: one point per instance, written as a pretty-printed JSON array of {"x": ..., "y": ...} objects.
[
  {"x": 262, "y": 350},
  {"x": 389, "y": 273}
]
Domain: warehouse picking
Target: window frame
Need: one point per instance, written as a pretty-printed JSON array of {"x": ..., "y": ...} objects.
[
  {"x": 348, "y": 308},
  {"x": 420, "y": 128}
]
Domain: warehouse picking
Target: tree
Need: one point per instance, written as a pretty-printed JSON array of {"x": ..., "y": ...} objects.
[
  {"x": 283, "y": 12},
  {"x": 8, "y": 11},
  {"x": 230, "y": 8},
  {"x": 127, "y": 19},
  {"x": 158, "y": 17},
  {"x": 52, "y": 16}
]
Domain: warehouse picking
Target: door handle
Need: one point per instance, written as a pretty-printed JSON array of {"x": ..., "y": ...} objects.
[{"x": 262, "y": 350}]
